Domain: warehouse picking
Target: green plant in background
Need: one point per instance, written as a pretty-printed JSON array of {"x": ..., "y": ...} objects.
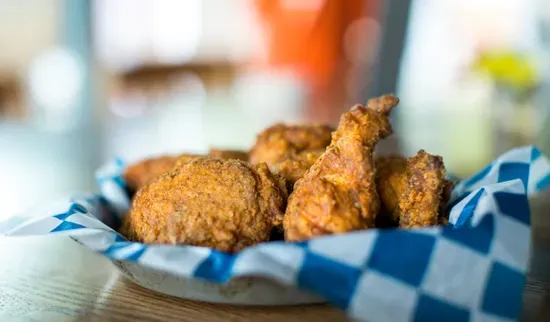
[
  {"x": 510, "y": 69},
  {"x": 516, "y": 77}
]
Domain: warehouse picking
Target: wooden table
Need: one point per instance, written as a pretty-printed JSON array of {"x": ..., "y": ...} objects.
[
  {"x": 56, "y": 279},
  {"x": 536, "y": 299}
]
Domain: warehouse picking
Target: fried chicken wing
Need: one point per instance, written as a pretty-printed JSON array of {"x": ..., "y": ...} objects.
[
  {"x": 290, "y": 150},
  {"x": 222, "y": 204},
  {"x": 413, "y": 191},
  {"x": 338, "y": 193}
]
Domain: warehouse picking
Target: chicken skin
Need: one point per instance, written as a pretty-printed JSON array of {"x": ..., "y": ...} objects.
[
  {"x": 391, "y": 176},
  {"x": 223, "y": 204},
  {"x": 413, "y": 191},
  {"x": 291, "y": 150},
  {"x": 338, "y": 193},
  {"x": 139, "y": 174},
  {"x": 228, "y": 154}
]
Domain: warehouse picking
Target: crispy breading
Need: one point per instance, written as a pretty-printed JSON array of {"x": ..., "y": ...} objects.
[
  {"x": 413, "y": 191},
  {"x": 338, "y": 193},
  {"x": 228, "y": 154},
  {"x": 290, "y": 150},
  {"x": 421, "y": 200},
  {"x": 391, "y": 180},
  {"x": 140, "y": 173},
  {"x": 222, "y": 204}
]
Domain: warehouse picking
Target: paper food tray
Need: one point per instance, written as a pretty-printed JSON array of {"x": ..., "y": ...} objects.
[{"x": 472, "y": 270}]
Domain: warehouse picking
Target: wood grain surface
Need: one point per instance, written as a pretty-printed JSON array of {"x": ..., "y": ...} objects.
[{"x": 56, "y": 279}]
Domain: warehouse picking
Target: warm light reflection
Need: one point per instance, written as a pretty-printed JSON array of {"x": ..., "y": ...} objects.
[
  {"x": 163, "y": 31},
  {"x": 361, "y": 41},
  {"x": 175, "y": 29}
]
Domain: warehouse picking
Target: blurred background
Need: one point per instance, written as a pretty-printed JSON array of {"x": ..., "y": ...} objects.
[{"x": 84, "y": 81}]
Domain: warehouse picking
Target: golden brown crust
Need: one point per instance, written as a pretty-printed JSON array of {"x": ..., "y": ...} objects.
[
  {"x": 295, "y": 167},
  {"x": 223, "y": 204},
  {"x": 391, "y": 180},
  {"x": 183, "y": 159},
  {"x": 413, "y": 191},
  {"x": 420, "y": 203},
  {"x": 139, "y": 174},
  {"x": 228, "y": 154},
  {"x": 290, "y": 150},
  {"x": 338, "y": 193}
]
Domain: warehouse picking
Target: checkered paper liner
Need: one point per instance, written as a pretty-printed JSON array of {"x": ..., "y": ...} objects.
[{"x": 472, "y": 270}]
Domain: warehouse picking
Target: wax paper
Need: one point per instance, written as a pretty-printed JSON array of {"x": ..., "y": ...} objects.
[{"x": 471, "y": 270}]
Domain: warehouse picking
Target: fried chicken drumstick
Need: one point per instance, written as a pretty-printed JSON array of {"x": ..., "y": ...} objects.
[
  {"x": 291, "y": 150},
  {"x": 413, "y": 191},
  {"x": 222, "y": 204},
  {"x": 338, "y": 193}
]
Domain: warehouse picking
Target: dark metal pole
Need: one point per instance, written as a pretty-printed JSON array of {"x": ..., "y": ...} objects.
[
  {"x": 76, "y": 26},
  {"x": 76, "y": 31},
  {"x": 382, "y": 78},
  {"x": 394, "y": 23}
]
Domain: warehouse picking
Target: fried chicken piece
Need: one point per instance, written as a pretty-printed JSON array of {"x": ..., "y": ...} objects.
[
  {"x": 338, "y": 193},
  {"x": 228, "y": 154},
  {"x": 183, "y": 159},
  {"x": 291, "y": 150},
  {"x": 139, "y": 174},
  {"x": 222, "y": 204},
  {"x": 413, "y": 191},
  {"x": 143, "y": 172},
  {"x": 421, "y": 200},
  {"x": 391, "y": 179}
]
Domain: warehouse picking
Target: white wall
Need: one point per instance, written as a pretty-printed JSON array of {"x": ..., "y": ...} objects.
[{"x": 26, "y": 28}]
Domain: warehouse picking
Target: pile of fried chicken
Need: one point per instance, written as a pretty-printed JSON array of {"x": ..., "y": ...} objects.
[{"x": 297, "y": 182}]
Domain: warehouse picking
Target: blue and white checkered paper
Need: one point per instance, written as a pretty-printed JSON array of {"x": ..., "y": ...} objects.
[{"x": 472, "y": 270}]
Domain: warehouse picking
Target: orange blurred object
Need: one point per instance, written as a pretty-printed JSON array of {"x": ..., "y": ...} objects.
[{"x": 307, "y": 36}]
